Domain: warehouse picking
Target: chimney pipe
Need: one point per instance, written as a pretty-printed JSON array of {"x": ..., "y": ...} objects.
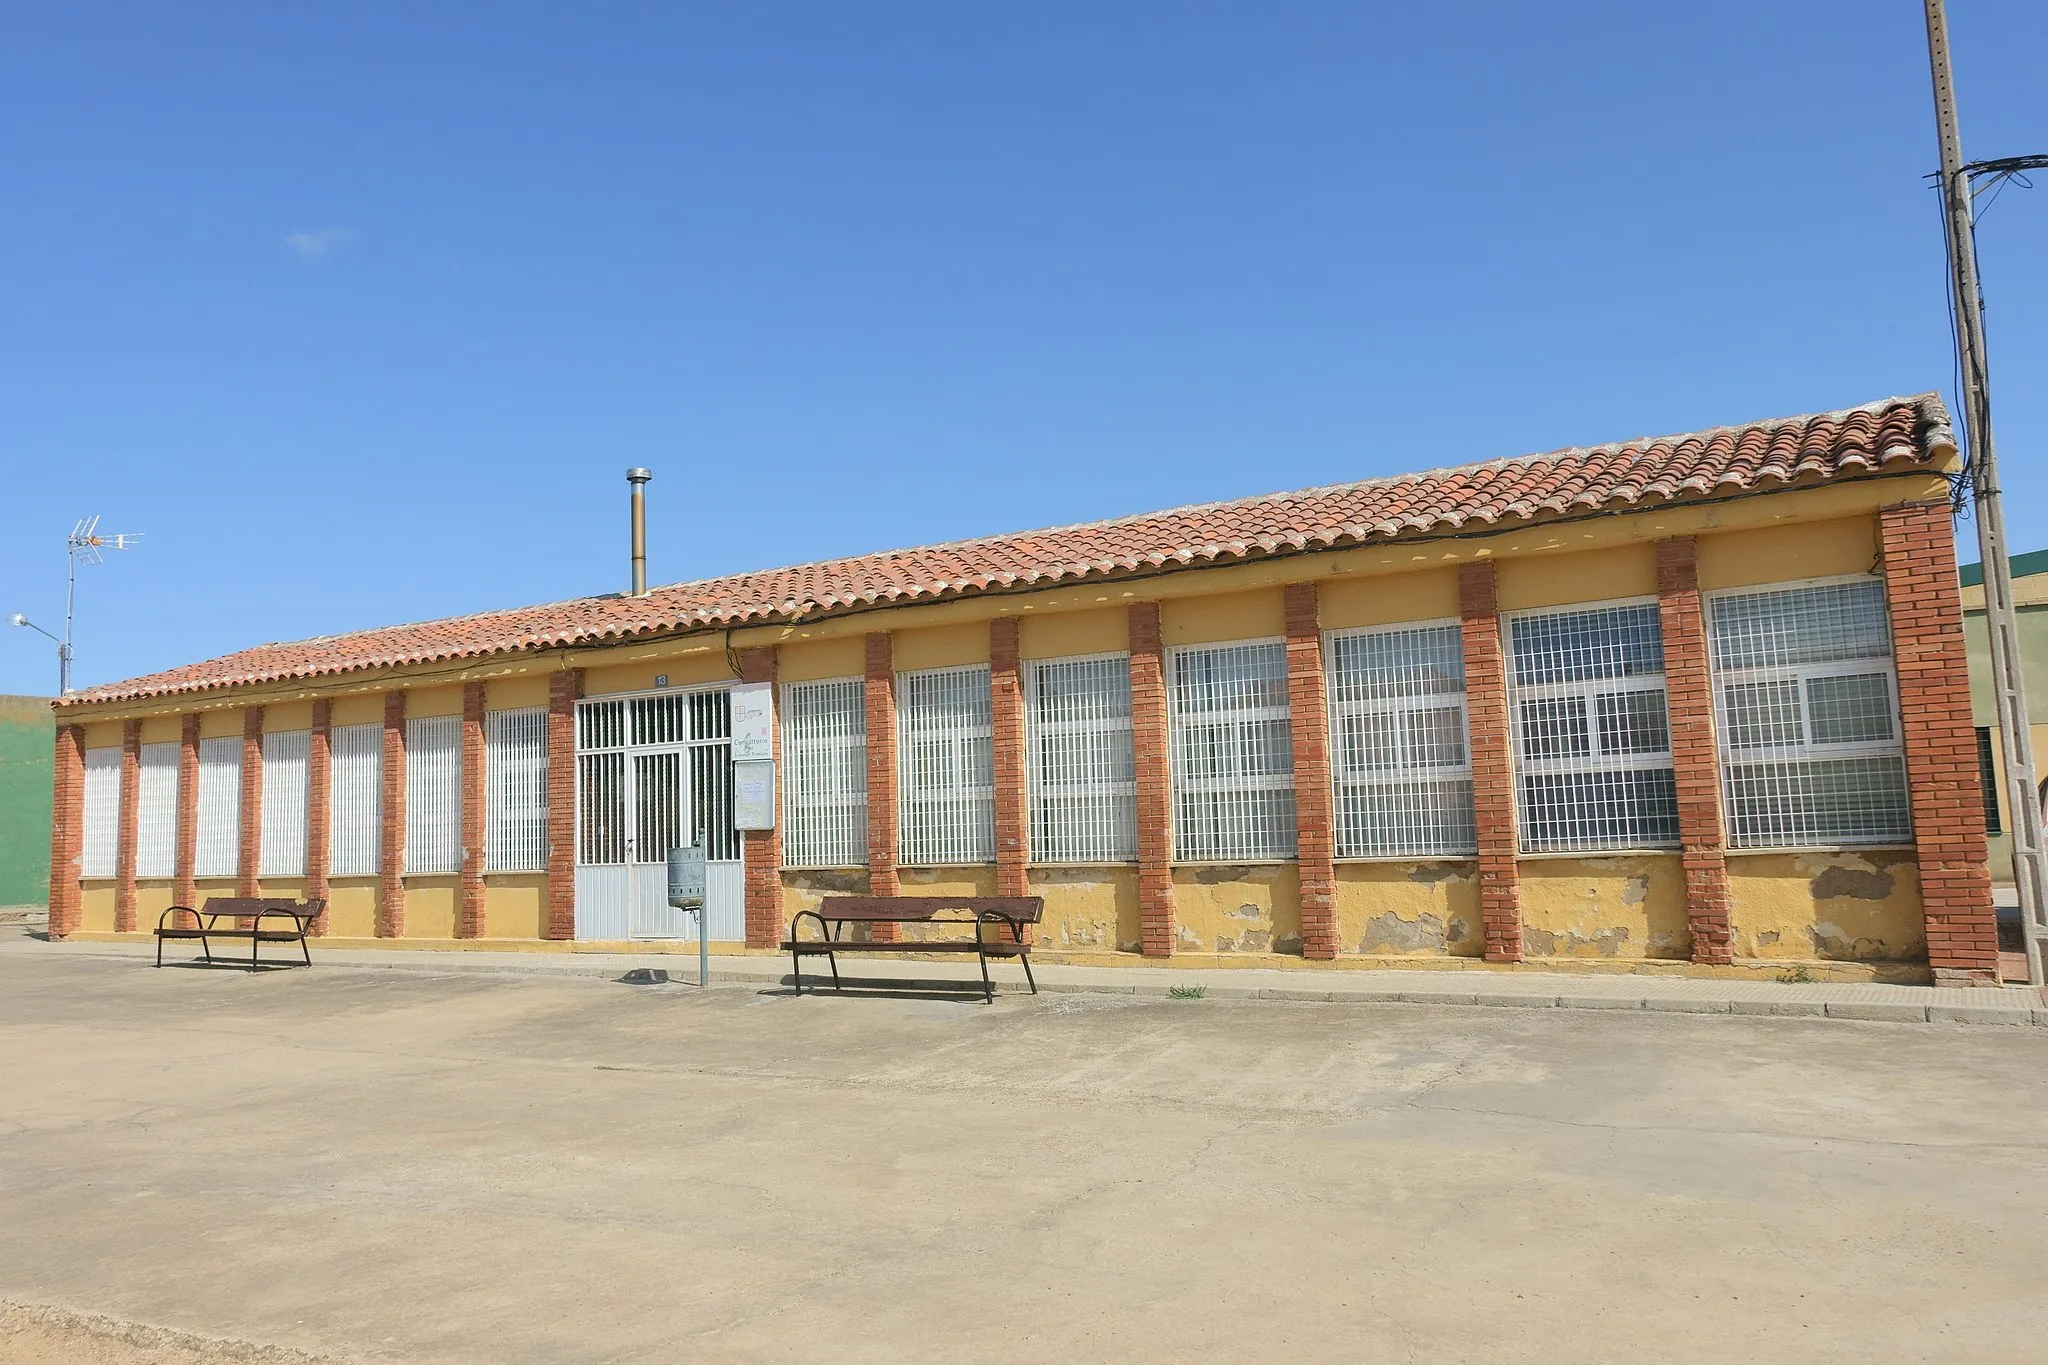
[{"x": 638, "y": 478}]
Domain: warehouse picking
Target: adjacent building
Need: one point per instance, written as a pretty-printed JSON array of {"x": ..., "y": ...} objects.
[{"x": 1688, "y": 703}]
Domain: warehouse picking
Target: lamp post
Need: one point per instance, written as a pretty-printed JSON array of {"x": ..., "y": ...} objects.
[
  {"x": 63, "y": 651},
  {"x": 82, "y": 546}
]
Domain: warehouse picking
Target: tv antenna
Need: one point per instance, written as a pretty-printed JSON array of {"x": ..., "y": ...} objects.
[{"x": 82, "y": 546}]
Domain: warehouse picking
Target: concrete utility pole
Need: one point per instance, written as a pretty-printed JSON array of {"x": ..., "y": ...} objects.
[{"x": 2008, "y": 684}]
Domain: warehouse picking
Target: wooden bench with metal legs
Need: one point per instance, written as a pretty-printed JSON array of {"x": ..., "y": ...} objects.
[
  {"x": 267, "y": 919},
  {"x": 991, "y": 917}
]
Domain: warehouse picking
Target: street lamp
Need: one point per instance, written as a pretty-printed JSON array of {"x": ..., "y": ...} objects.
[{"x": 63, "y": 650}]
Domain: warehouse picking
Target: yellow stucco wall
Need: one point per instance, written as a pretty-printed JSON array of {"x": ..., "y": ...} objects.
[
  {"x": 1237, "y": 908},
  {"x": 1847, "y": 906},
  {"x": 810, "y": 660},
  {"x": 1589, "y": 576},
  {"x": 1630, "y": 906},
  {"x": 803, "y": 890},
  {"x": 106, "y": 734},
  {"x": 513, "y": 694},
  {"x": 1409, "y": 909},
  {"x": 940, "y": 646},
  {"x": 1087, "y": 909},
  {"x": 287, "y": 715},
  {"x": 433, "y": 701},
  {"x": 515, "y": 904},
  {"x": 1781, "y": 554},
  {"x": 362, "y": 709},
  {"x": 96, "y": 906},
  {"x": 686, "y": 670},
  {"x": 1228, "y": 616},
  {"x": 1065, "y": 634},
  {"x": 430, "y": 907},
  {"x": 152, "y": 898},
  {"x": 352, "y": 907},
  {"x": 220, "y": 724},
  {"x": 162, "y": 730},
  {"x": 1347, "y": 602}
]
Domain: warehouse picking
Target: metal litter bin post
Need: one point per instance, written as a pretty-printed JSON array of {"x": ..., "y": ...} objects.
[{"x": 686, "y": 892}]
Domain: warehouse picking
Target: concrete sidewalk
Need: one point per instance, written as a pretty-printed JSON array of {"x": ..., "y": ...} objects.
[{"x": 1871, "y": 1002}]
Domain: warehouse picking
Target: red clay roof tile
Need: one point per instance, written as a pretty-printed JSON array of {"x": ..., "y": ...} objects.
[{"x": 1721, "y": 462}]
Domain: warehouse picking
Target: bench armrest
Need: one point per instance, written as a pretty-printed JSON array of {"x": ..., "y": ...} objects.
[
  {"x": 178, "y": 910},
  {"x": 298, "y": 918}
]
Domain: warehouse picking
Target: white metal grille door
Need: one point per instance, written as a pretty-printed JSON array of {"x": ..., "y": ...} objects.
[
  {"x": 654, "y": 773},
  {"x": 945, "y": 755},
  {"x": 220, "y": 808},
  {"x": 1399, "y": 760},
  {"x": 1233, "y": 753},
  {"x": 825, "y": 774},
  {"x": 156, "y": 812},
  {"x": 1592, "y": 735},
  {"x": 1808, "y": 706},
  {"x": 1083, "y": 773},
  {"x": 101, "y": 838},
  {"x": 356, "y": 796},
  {"x": 283, "y": 853}
]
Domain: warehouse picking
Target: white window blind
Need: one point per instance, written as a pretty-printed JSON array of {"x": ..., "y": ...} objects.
[
  {"x": 220, "y": 807},
  {"x": 1808, "y": 708},
  {"x": 156, "y": 811},
  {"x": 355, "y": 799},
  {"x": 516, "y": 796},
  {"x": 433, "y": 794},
  {"x": 946, "y": 766},
  {"x": 102, "y": 833},
  {"x": 1083, "y": 774},
  {"x": 825, "y": 774},
  {"x": 1232, "y": 753},
  {"x": 283, "y": 851},
  {"x": 1399, "y": 759},
  {"x": 1592, "y": 737}
]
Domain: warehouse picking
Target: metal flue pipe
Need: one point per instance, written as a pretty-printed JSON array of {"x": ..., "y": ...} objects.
[{"x": 638, "y": 478}]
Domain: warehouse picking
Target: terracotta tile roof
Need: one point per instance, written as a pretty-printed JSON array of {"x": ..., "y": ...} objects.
[{"x": 1499, "y": 493}]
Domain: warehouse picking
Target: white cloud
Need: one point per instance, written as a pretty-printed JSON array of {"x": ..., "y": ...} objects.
[{"x": 313, "y": 245}]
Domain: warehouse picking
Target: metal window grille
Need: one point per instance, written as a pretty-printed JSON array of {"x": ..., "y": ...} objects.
[
  {"x": 1232, "y": 753},
  {"x": 673, "y": 738},
  {"x": 219, "y": 853},
  {"x": 1592, "y": 738},
  {"x": 356, "y": 799},
  {"x": 825, "y": 774},
  {"x": 1987, "y": 773},
  {"x": 945, "y": 758},
  {"x": 156, "y": 811},
  {"x": 283, "y": 852},
  {"x": 1082, "y": 770},
  {"x": 433, "y": 794},
  {"x": 102, "y": 831},
  {"x": 1808, "y": 702},
  {"x": 1399, "y": 760},
  {"x": 516, "y": 796}
]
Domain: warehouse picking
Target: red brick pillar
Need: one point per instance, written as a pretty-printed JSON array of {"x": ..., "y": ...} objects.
[
  {"x": 1155, "y": 784},
  {"x": 391, "y": 833},
  {"x": 1695, "y": 756},
  {"x": 124, "y": 846},
  {"x": 762, "y": 848},
  {"x": 1309, "y": 706},
  {"x": 469, "y": 895},
  {"x": 1493, "y": 778},
  {"x": 1917, "y": 542},
  {"x": 67, "y": 831},
  {"x": 185, "y": 889},
  {"x": 248, "y": 881},
  {"x": 1013, "y": 803},
  {"x": 564, "y": 687},
  {"x": 881, "y": 717},
  {"x": 319, "y": 808}
]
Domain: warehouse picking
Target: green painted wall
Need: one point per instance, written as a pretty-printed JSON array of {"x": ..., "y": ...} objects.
[{"x": 26, "y": 766}]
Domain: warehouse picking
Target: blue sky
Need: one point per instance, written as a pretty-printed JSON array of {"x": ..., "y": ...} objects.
[{"x": 361, "y": 311}]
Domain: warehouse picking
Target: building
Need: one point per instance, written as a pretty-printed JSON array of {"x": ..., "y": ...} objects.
[
  {"x": 1693, "y": 703},
  {"x": 24, "y": 801},
  {"x": 2030, "y": 596}
]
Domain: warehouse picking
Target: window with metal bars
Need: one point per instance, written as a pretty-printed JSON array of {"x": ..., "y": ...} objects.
[
  {"x": 219, "y": 851},
  {"x": 156, "y": 812},
  {"x": 516, "y": 790},
  {"x": 1399, "y": 761},
  {"x": 1987, "y": 774},
  {"x": 355, "y": 799},
  {"x": 634, "y": 757},
  {"x": 945, "y": 761},
  {"x": 101, "y": 837},
  {"x": 283, "y": 850},
  {"x": 1082, "y": 770},
  {"x": 1809, "y": 720},
  {"x": 433, "y": 794},
  {"x": 1592, "y": 738},
  {"x": 825, "y": 773},
  {"x": 1232, "y": 753}
]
